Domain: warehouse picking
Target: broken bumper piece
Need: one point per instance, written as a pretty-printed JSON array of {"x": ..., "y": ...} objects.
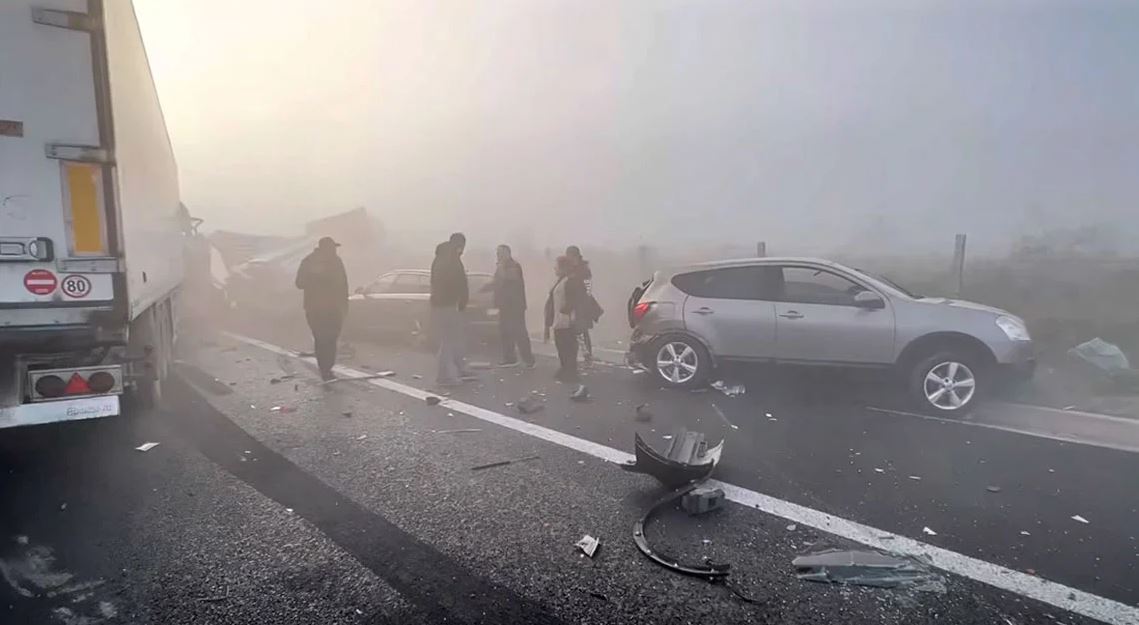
[{"x": 688, "y": 458}]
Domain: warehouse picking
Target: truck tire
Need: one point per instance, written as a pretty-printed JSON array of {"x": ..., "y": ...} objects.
[{"x": 151, "y": 346}]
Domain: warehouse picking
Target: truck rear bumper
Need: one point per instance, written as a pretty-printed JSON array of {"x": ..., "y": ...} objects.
[{"x": 56, "y": 411}]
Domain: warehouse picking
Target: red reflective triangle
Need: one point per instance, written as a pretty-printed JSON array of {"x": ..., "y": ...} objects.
[{"x": 76, "y": 386}]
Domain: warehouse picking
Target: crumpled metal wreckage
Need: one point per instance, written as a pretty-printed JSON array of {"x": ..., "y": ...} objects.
[{"x": 686, "y": 464}]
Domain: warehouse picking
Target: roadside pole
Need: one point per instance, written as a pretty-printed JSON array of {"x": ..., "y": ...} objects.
[
  {"x": 959, "y": 264},
  {"x": 761, "y": 249}
]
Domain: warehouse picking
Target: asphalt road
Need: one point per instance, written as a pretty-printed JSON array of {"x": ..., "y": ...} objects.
[{"x": 357, "y": 504}]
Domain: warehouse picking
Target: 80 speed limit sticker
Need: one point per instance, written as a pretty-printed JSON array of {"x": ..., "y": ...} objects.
[{"x": 75, "y": 286}]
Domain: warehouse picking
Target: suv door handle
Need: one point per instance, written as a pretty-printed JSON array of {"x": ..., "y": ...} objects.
[
  {"x": 792, "y": 314},
  {"x": 704, "y": 310}
]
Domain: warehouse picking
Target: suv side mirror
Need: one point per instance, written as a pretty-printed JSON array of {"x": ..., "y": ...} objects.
[{"x": 868, "y": 300}]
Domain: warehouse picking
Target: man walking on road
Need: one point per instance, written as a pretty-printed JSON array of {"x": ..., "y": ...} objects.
[
  {"x": 449, "y": 295},
  {"x": 325, "y": 283},
  {"x": 510, "y": 299}
]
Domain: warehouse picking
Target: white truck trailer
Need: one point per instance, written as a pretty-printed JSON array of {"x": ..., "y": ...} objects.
[{"x": 91, "y": 226}]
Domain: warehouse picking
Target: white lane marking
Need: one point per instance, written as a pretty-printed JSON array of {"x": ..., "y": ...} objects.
[
  {"x": 1071, "y": 413},
  {"x": 1015, "y": 430},
  {"x": 1031, "y": 586}
]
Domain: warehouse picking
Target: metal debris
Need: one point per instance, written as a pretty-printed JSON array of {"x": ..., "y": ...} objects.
[
  {"x": 702, "y": 499},
  {"x": 862, "y": 568},
  {"x": 1079, "y": 518},
  {"x": 731, "y": 391},
  {"x": 503, "y": 463},
  {"x": 146, "y": 446},
  {"x": 644, "y": 415},
  {"x": 359, "y": 378},
  {"x": 529, "y": 405},
  {"x": 724, "y": 417},
  {"x": 588, "y": 545},
  {"x": 915, "y": 478},
  {"x": 928, "y": 531}
]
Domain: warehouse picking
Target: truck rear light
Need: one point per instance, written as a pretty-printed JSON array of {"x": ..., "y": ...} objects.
[
  {"x": 83, "y": 195},
  {"x": 101, "y": 382},
  {"x": 640, "y": 310},
  {"x": 50, "y": 386}
]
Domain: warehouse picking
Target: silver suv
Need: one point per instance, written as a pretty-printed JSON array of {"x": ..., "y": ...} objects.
[{"x": 811, "y": 311}]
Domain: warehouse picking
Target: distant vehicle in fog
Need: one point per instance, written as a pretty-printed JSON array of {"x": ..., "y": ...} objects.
[
  {"x": 397, "y": 305},
  {"x": 816, "y": 312}
]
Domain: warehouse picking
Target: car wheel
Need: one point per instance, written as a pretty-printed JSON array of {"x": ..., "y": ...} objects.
[
  {"x": 946, "y": 383},
  {"x": 680, "y": 361}
]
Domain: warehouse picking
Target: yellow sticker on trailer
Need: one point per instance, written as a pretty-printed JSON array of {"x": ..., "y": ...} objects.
[{"x": 86, "y": 199}]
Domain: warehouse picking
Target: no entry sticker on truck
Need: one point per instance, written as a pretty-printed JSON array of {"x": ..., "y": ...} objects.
[
  {"x": 40, "y": 282},
  {"x": 76, "y": 286}
]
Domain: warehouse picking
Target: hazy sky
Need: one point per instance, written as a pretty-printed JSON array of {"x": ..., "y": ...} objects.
[{"x": 802, "y": 122}]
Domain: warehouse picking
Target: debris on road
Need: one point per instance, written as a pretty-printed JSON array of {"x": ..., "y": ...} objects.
[
  {"x": 1108, "y": 359},
  {"x": 684, "y": 466},
  {"x": 792, "y": 527},
  {"x": 462, "y": 431},
  {"x": 724, "y": 417},
  {"x": 146, "y": 446},
  {"x": 283, "y": 409},
  {"x": 359, "y": 378},
  {"x": 993, "y": 489},
  {"x": 346, "y": 413},
  {"x": 915, "y": 478},
  {"x": 731, "y": 391},
  {"x": 529, "y": 405},
  {"x": 1024, "y": 533},
  {"x": 877, "y": 470},
  {"x": 503, "y": 463},
  {"x": 861, "y": 568},
  {"x": 361, "y": 437},
  {"x": 643, "y": 414},
  {"x": 588, "y": 545},
  {"x": 432, "y": 400},
  {"x": 580, "y": 394},
  {"x": 687, "y": 458},
  {"x": 416, "y": 376},
  {"x": 702, "y": 499},
  {"x": 1079, "y": 518},
  {"x": 928, "y": 531}
]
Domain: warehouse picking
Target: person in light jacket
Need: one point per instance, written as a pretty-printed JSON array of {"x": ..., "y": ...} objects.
[{"x": 563, "y": 308}]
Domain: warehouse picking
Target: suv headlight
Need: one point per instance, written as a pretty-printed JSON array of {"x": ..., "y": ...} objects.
[{"x": 1013, "y": 328}]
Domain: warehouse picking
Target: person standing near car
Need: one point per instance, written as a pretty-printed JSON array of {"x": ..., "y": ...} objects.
[
  {"x": 509, "y": 287},
  {"x": 449, "y": 295},
  {"x": 581, "y": 271},
  {"x": 562, "y": 312},
  {"x": 325, "y": 284}
]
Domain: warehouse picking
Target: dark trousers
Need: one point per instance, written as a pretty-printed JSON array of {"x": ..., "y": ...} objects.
[
  {"x": 325, "y": 324},
  {"x": 566, "y": 342},
  {"x": 515, "y": 338}
]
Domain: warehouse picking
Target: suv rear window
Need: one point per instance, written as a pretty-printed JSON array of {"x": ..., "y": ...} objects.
[{"x": 728, "y": 283}]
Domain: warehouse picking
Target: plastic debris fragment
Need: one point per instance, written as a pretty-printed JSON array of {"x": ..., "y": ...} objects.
[
  {"x": 1079, "y": 518},
  {"x": 863, "y": 568},
  {"x": 146, "y": 446},
  {"x": 928, "y": 531},
  {"x": 729, "y": 390},
  {"x": 588, "y": 545}
]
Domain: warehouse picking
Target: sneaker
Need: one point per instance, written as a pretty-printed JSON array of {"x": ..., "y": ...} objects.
[{"x": 508, "y": 365}]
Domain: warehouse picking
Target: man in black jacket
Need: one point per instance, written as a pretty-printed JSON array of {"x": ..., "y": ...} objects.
[
  {"x": 325, "y": 283},
  {"x": 449, "y": 295}
]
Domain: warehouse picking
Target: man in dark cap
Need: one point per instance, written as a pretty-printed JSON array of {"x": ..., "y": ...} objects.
[{"x": 325, "y": 283}]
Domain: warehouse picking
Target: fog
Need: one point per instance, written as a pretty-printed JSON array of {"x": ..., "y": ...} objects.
[{"x": 811, "y": 125}]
